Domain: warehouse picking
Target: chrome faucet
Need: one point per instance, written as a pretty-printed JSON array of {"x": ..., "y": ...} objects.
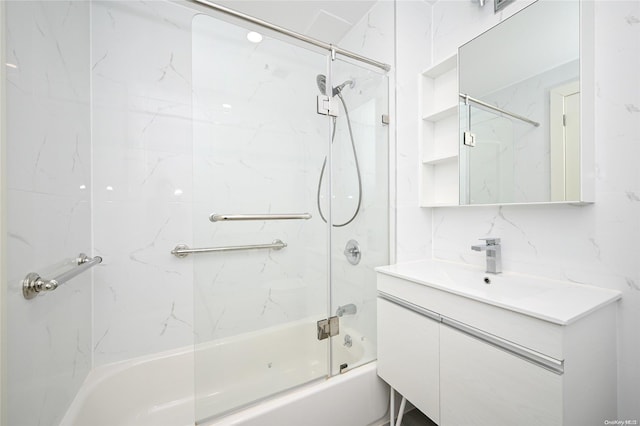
[
  {"x": 349, "y": 309},
  {"x": 494, "y": 254}
]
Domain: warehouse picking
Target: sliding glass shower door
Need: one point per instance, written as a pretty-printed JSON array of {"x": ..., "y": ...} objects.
[
  {"x": 257, "y": 143},
  {"x": 290, "y": 213}
]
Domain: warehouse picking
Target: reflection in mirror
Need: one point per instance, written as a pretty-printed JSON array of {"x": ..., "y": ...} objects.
[{"x": 520, "y": 108}]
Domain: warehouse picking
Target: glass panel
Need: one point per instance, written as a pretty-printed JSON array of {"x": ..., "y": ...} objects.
[
  {"x": 47, "y": 206},
  {"x": 359, "y": 209},
  {"x": 258, "y": 149}
]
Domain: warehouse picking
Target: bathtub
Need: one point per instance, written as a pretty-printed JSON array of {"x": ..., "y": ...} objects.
[{"x": 158, "y": 390}]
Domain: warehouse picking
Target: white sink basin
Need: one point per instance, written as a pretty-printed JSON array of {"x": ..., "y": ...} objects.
[{"x": 553, "y": 300}]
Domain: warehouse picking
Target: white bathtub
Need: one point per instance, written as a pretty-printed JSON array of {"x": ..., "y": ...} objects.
[{"x": 158, "y": 390}]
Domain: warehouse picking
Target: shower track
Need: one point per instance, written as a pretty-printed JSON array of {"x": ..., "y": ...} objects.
[{"x": 327, "y": 46}]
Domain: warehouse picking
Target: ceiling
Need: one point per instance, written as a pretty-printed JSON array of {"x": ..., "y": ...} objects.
[{"x": 327, "y": 20}]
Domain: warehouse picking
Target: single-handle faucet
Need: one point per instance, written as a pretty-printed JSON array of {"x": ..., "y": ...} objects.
[{"x": 494, "y": 254}]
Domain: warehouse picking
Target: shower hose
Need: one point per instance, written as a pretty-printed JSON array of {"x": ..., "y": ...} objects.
[{"x": 355, "y": 157}]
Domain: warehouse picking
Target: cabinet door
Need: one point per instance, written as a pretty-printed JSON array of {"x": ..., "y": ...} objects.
[
  {"x": 483, "y": 385},
  {"x": 408, "y": 356}
]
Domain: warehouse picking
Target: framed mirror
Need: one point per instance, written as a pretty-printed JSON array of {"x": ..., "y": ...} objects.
[{"x": 524, "y": 126}]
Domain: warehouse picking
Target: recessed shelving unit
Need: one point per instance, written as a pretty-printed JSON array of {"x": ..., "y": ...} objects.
[{"x": 439, "y": 136}]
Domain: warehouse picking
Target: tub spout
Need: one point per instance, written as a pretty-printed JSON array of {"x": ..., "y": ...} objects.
[{"x": 349, "y": 309}]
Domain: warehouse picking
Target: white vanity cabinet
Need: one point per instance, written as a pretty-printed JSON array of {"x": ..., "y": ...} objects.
[
  {"x": 483, "y": 385},
  {"x": 410, "y": 339},
  {"x": 519, "y": 351}
]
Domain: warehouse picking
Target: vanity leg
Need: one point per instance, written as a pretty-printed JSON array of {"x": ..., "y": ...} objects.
[
  {"x": 392, "y": 405},
  {"x": 401, "y": 411}
]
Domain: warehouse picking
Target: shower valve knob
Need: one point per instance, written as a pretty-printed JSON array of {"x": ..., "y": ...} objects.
[{"x": 352, "y": 252}]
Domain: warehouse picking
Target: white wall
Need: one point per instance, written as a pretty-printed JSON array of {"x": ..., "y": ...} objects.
[
  {"x": 597, "y": 244},
  {"x": 413, "y": 55},
  {"x": 47, "y": 206}
]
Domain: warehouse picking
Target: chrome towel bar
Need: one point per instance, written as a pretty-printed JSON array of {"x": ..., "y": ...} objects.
[
  {"x": 33, "y": 283},
  {"x": 468, "y": 99},
  {"x": 182, "y": 250},
  {"x": 224, "y": 217}
]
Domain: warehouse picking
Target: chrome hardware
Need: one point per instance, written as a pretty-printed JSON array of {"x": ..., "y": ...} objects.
[
  {"x": 183, "y": 250},
  {"x": 349, "y": 309},
  {"x": 333, "y": 49},
  {"x": 494, "y": 254},
  {"x": 385, "y": 119},
  {"x": 468, "y": 99},
  {"x": 348, "y": 342},
  {"x": 328, "y": 327},
  {"x": 352, "y": 252},
  {"x": 327, "y": 106},
  {"x": 498, "y": 5},
  {"x": 469, "y": 139},
  {"x": 554, "y": 365},
  {"x": 232, "y": 217},
  {"x": 33, "y": 283}
]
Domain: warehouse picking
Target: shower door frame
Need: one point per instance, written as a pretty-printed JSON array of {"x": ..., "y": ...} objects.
[{"x": 3, "y": 220}]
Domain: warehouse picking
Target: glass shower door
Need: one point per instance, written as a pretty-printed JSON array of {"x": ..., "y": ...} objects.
[
  {"x": 360, "y": 209},
  {"x": 258, "y": 148}
]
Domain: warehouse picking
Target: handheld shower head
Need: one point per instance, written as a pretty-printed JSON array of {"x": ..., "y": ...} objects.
[
  {"x": 321, "y": 81},
  {"x": 339, "y": 88}
]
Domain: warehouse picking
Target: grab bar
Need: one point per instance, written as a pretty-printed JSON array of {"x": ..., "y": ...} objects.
[
  {"x": 183, "y": 250},
  {"x": 224, "y": 217},
  {"x": 33, "y": 283}
]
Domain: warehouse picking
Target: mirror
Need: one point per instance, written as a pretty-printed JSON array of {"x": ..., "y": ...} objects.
[{"x": 520, "y": 109}]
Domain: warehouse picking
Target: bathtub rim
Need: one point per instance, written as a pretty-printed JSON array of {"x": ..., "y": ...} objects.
[{"x": 271, "y": 402}]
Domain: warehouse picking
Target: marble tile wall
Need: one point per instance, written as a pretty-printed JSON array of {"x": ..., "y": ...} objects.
[
  {"x": 142, "y": 177},
  {"x": 48, "y": 178},
  {"x": 595, "y": 244},
  {"x": 413, "y": 55}
]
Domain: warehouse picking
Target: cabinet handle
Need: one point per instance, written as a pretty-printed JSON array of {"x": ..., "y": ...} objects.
[
  {"x": 554, "y": 365},
  {"x": 534, "y": 357}
]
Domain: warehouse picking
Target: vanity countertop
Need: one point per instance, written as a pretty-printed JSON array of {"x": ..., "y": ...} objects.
[{"x": 556, "y": 301}]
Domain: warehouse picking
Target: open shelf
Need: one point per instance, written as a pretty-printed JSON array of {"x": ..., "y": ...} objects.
[
  {"x": 441, "y": 113},
  {"x": 439, "y": 134},
  {"x": 433, "y": 160}
]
